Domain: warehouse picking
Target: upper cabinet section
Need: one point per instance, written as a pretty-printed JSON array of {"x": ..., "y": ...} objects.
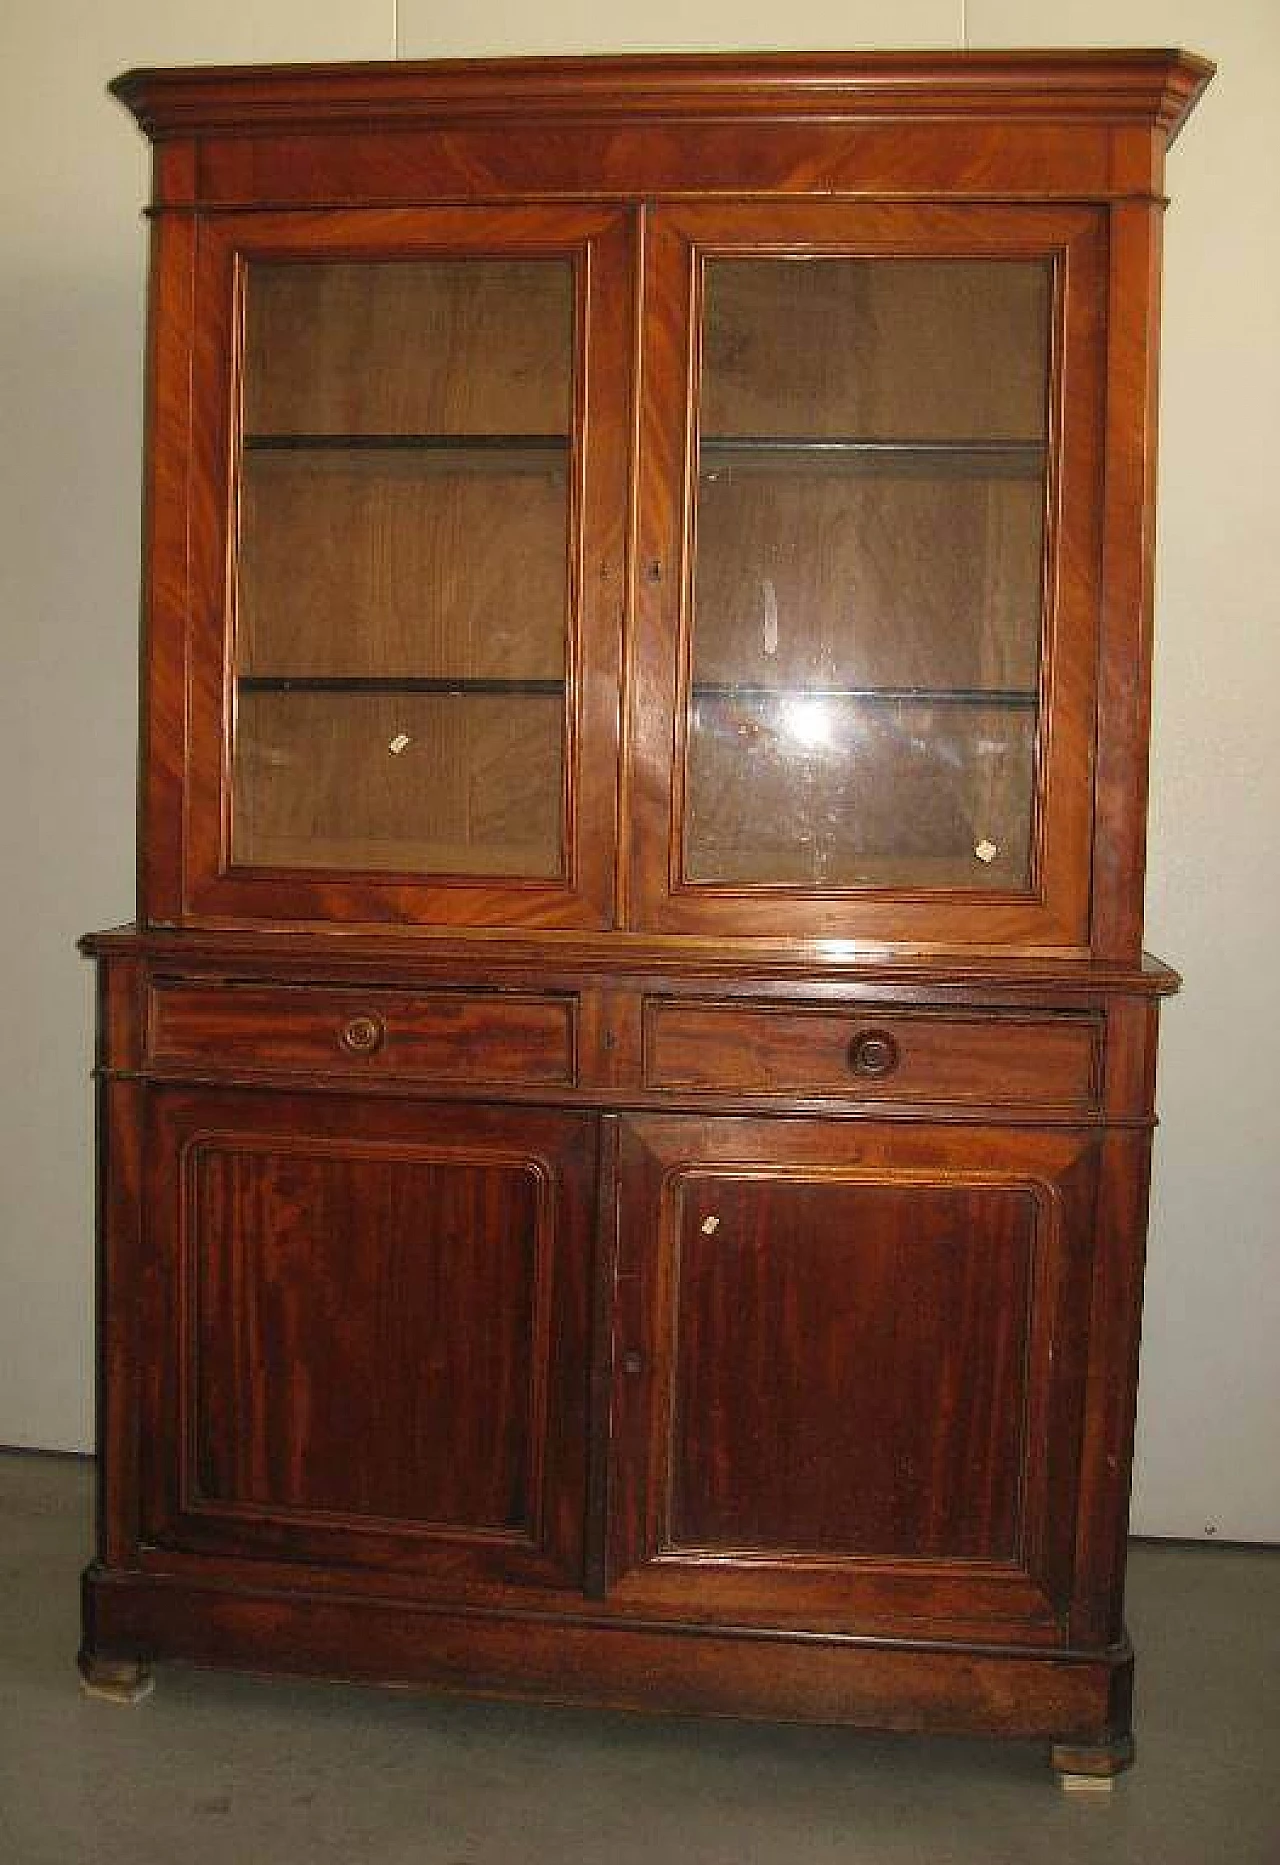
[{"x": 686, "y": 497}]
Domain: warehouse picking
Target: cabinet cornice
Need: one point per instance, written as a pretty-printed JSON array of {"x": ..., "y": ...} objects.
[{"x": 1157, "y": 88}]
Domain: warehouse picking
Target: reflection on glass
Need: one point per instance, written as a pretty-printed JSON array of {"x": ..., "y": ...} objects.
[
  {"x": 864, "y": 701},
  {"x": 849, "y": 791},
  {"x": 401, "y": 567}
]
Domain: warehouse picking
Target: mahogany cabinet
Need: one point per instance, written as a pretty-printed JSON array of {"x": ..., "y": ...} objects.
[{"x": 625, "y": 1112}]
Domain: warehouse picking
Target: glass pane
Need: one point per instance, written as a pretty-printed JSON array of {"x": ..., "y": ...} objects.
[
  {"x": 868, "y": 587},
  {"x": 402, "y": 588}
]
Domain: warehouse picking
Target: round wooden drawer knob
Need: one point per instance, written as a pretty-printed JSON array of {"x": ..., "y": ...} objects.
[
  {"x": 363, "y": 1035},
  {"x": 873, "y": 1052}
]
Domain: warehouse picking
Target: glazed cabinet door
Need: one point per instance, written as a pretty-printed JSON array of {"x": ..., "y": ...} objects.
[
  {"x": 395, "y": 643},
  {"x": 848, "y": 1370},
  {"x": 370, "y": 1323},
  {"x": 868, "y": 621}
]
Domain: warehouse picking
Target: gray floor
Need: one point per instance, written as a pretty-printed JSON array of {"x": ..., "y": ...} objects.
[{"x": 220, "y": 1768}]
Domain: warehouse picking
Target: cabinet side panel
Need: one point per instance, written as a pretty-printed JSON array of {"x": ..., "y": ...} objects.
[
  {"x": 120, "y": 1350},
  {"x": 1124, "y": 689},
  {"x": 122, "y": 1342},
  {"x": 166, "y": 570},
  {"x": 1107, "y": 1457}
]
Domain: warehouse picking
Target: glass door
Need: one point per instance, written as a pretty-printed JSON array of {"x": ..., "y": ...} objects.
[
  {"x": 418, "y": 687},
  {"x": 878, "y": 676}
]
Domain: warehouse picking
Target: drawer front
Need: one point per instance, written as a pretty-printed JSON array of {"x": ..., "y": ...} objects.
[
  {"x": 869, "y": 1054},
  {"x": 446, "y": 1036}
]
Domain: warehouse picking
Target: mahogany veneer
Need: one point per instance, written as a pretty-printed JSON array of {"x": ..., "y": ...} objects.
[{"x": 625, "y": 1115}]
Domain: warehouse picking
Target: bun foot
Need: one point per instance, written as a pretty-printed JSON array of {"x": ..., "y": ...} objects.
[
  {"x": 1091, "y": 1767},
  {"x": 116, "y": 1680}
]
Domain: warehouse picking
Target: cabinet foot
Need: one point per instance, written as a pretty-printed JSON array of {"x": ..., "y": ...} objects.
[
  {"x": 116, "y": 1680},
  {"x": 1091, "y": 1767}
]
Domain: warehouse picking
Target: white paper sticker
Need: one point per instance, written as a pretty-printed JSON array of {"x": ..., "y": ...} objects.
[
  {"x": 769, "y": 632},
  {"x": 986, "y": 851},
  {"x": 710, "y": 1225},
  {"x": 398, "y": 744}
]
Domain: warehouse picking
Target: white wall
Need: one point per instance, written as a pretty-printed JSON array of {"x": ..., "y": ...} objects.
[{"x": 73, "y": 175}]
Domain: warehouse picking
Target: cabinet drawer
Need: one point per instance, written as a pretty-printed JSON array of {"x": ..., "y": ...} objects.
[
  {"x": 445, "y": 1036},
  {"x": 871, "y": 1054}
]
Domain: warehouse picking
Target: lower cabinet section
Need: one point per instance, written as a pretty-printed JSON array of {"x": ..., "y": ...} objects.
[{"x": 780, "y": 1416}]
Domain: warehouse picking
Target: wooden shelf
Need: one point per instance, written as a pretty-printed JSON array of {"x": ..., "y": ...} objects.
[
  {"x": 446, "y": 453},
  {"x": 888, "y": 458},
  {"x": 410, "y": 856},
  {"x": 447, "y": 686},
  {"x": 836, "y": 869},
  {"x": 465, "y": 686},
  {"x": 871, "y": 695}
]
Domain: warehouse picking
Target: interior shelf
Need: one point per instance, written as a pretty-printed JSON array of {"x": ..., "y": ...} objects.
[
  {"x": 538, "y": 451},
  {"x": 1014, "y": 698},
  {"x": 405, "y": 855},
  {"x": 1003, "y": 459},
  {"x": 460, "y": 686},
  {"x": 464, "y": 686}
]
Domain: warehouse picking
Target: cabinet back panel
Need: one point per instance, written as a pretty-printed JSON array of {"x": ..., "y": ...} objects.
[
  {"x": 832, "y": 792},
  {"x": 460, "y": 346},
  {"x": 811, "y": 576},
  {"x": 384, "y": 564},
  {"x": 464, "y": 784},
  {"x": 901, "y": 348}
]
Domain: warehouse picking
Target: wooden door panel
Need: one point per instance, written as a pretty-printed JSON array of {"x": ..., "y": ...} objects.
[
  {"x": 375, "y": 1334},
  {"x": 847, "y": 1376},
  {"x": 850, "y": 1368},
  {"x": 403, "y": 1304}
]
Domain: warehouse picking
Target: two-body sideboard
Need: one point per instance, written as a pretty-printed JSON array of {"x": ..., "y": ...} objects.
[{"x": 625, "y": 1115}]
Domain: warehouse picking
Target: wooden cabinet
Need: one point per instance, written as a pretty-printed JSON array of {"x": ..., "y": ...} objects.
[{"x": 625, "y": 1112}]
